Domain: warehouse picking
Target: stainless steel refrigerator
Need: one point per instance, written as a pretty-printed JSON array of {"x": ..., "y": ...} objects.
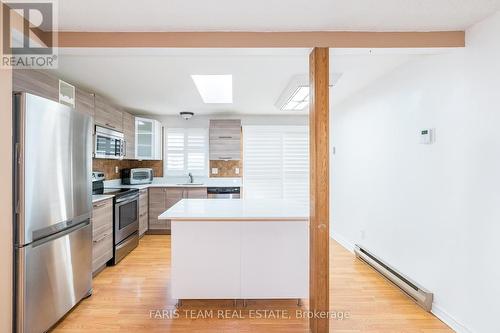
[{"x": 52, "y": 211}]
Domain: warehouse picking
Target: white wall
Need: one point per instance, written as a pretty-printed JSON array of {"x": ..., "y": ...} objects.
[{"x": 431, "y": 211}]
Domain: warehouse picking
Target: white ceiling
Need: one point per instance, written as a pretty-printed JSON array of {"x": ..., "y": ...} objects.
[
  {"x": 272, "y": 15},
  {"x": 158, "y": 81}
]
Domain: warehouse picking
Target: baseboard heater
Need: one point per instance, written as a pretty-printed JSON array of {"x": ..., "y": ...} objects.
[{"x": 421, "y": 296}]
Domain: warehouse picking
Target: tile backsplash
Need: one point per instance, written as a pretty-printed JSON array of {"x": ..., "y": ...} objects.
[
  {"x": 226, "y": 168},
  {"x": 109, "y": 166}
]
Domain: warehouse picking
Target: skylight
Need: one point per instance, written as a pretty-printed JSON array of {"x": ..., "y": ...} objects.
[
  {"x": 214, "y": 88},
  {"x": 298, "y": 100}
]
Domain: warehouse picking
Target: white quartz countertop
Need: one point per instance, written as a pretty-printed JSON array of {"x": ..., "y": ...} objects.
[
  {"x": 237, "y": 210},
  {"x": 179, "y": 182},
  {"x": 101, "y": 197}
]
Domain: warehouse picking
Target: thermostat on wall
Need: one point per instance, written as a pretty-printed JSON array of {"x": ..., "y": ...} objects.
[{"x": 426, "y": 136}]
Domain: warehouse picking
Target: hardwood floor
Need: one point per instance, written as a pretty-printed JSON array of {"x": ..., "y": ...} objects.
[{"x": 127, "y": 296}]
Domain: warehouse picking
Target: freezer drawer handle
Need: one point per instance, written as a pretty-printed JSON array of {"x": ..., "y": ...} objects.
[
  {"x": 62, "y": 233},
  {"x": 56, "y": 229}
]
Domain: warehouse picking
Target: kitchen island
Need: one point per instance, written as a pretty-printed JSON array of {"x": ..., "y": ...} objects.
[{"x": 239, "y": 249}]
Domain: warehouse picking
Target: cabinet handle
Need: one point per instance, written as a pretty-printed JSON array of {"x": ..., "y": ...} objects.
[
  {"x": 100, "y": 205},
  {"x": 101, "y": 239},
  {"x": 225, "y": 158},
  {"x": 225, "y": 137}
]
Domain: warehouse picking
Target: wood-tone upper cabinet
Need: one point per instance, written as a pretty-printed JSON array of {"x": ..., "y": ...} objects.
[
  {"x": 148, "y": 139},
  {"x": 129, "y": 133},
  {"x": 102, "y": 233},
  {"x": 84, "y": 101},
  {"x": 143, "y": 211},
  {"x": 36, "y": 82},
  {"x": 43, "y": 84},
  {"x": 225, "y": 139},
  {"x": 107, "y": 115}
]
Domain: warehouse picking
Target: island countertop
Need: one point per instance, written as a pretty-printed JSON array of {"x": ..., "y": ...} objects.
[{"x": 237, "y": 210}]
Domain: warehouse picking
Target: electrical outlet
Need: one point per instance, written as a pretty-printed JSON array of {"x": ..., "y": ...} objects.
[
  {"x": 215, "y": 171},
  {"x": 237, "y": 171}
]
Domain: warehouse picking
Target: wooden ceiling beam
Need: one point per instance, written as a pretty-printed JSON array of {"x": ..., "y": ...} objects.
[{"x": 334, "y": 39}]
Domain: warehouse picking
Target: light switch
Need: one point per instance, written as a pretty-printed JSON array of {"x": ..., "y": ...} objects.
[
  {"x": 237, "y": 171},
  {"x": 116, "y": 169},
  {"x": 215, "y": 171}
]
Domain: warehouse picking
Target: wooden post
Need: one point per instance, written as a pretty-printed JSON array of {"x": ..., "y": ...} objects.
[{"x": 319, "y": 187}]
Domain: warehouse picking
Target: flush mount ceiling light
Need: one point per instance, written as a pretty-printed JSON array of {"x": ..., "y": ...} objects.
[
  {"x": 298, "y": 100},
  {"x": 214, "y": 89},
  {"x": 186, "y": 115},
  {"x": 295, "y": 97}
]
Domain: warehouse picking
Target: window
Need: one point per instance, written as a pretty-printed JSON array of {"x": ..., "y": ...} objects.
[
  {"x": 186, "y": 151},
  {"x": 276, "y": 162}
]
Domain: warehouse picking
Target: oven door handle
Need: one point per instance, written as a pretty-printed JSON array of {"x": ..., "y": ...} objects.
[{"x": 128, "y": 198}]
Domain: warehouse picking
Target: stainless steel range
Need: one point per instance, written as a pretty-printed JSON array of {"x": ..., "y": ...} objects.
[{"x": 125, "y": 216}]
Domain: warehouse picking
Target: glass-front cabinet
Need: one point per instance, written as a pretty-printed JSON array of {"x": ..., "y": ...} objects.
[{"x": 148, "y": 139}]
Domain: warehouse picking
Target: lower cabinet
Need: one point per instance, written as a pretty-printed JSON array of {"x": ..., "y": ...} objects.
[
  {"x": 102, "y": 233},
  {"x": 157, "y": 205},
  {"x": 143, "y": 211},
  {"x": 162, "y": 198},
  {"x": 195, "y": 193}
]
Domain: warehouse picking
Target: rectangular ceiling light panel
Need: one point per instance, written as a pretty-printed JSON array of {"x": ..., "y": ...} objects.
[
  {"x": 298, "y": 100},
  {"x": 214, "y": 89}
]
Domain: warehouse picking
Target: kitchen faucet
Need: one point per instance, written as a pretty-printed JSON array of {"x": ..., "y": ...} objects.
[{"x": 191, "y": 179}]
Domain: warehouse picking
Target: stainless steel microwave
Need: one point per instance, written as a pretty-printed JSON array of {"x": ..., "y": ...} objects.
[{"x": 109, "y": 143}]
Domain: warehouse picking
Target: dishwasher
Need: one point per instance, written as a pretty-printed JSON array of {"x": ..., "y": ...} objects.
[{"x": 223, "y": 192}]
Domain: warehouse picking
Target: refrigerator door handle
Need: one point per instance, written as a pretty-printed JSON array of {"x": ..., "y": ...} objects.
[
  {"x": 61, "y": 233},
  {"x": 16, "y": 176}
]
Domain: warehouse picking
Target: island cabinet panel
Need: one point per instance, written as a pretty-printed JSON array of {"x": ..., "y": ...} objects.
[
  {"x": 107, "y": 115},
  {"x": 102, "y": 233},
  {"x": 129, "y": 133},
  {"x": 213, "y": 273},
  {"x": 279, "y": 265},
  {"x": 262, "y": 259},
  {"x": 143, "y": 211},
  {"x": 225, "y": 139}
]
